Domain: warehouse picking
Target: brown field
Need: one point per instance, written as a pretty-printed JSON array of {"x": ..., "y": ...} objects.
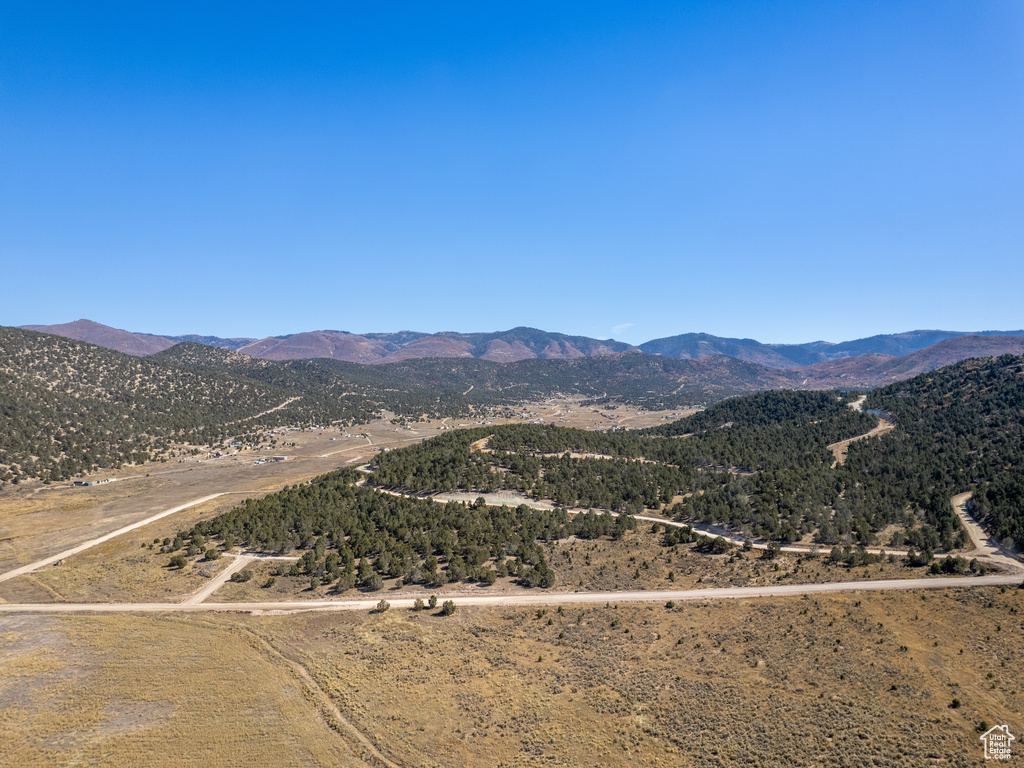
[{"x": 836, "y": 680}]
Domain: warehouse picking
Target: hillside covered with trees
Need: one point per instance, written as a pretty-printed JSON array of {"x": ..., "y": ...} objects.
[
  {"x": 760, "y": 464},
  {"x": 452, "y": 386},
  {"x": 356, "y": 537},
  {"x": 960, "y": 429},
  {"x": 69, "y": 407}
]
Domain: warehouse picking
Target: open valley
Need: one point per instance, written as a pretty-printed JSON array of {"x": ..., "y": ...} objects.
[{"x": 512, "y": 385}]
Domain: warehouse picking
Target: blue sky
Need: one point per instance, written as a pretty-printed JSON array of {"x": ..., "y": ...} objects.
[{"x": 786, "y": 171}]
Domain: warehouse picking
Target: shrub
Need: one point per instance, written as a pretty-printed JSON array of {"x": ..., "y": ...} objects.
[
  {"x": 241, "y": 576},
  {"x": 447, "y": 608},
  {"x": 433, "y": 601},
  {"x": 178, "y": 561},
  {"x": 916, "y": 560},
  {"x": 418, "y": 604},
  {"x": 212, "y": 554},
  {"x": 382, "y": 606}
]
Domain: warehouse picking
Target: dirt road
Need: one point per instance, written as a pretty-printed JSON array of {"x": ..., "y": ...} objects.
[
  {"x": 286, "y": 403},
  {"x": 513, "y": 499},
  {"x": 529, "y": 597},
  {"x": 94, "y": 542},
  {"x": 983, "y": 546},
  {"x": 840, "y": 449},
  {"x": 220, "y": 579}
]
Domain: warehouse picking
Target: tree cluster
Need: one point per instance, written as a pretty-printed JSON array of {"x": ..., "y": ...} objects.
[{"x": 354, "y": 536}]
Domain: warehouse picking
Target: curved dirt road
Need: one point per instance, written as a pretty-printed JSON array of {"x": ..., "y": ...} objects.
[
  {"x": 982, "y": 545},
  {"x": 840, "y": 449},
  {"x": 511, "y": 498}
]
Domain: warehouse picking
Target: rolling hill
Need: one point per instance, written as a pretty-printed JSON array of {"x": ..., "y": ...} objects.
[
  {"x": 875, "y": 370},
  {"x": 70, "y": 407},
  {"x": 130, "y": 343},
  {"x": 761, "y": 465}
]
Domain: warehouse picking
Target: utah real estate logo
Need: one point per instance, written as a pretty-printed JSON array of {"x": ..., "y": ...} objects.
[{"x": 997, "y": 742}]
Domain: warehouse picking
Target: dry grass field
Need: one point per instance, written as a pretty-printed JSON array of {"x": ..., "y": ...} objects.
[
  {"x": 125, "y": 568},
  {"x": 843, "y": 680},
  {"x": 640, "y": 561},
  {"x": 846, "y": 680},
  {"x": 135, "y": 691}
]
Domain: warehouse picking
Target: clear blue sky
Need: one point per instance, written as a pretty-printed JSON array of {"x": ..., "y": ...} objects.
[{"x": 786, "y": 171}]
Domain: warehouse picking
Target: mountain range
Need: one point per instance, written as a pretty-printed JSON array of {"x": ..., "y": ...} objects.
[
  {"x": 698, "y": 345},
  {"x": 866, "y": 362},
  {"x": 501, "y": 347}
]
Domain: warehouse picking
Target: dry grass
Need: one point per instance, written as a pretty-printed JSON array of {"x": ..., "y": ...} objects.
[
  {"x": 832, "y": 680},
  {"x": 121, "y": 570},
  {"x": 844, "y": 680},
  {"x": 639, "y": 561},
  {"x": 131, "y": 690}
]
